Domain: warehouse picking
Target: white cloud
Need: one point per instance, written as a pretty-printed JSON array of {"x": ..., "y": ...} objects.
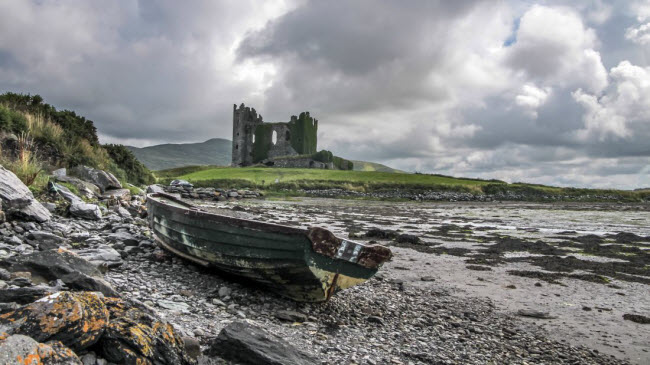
[
  {"x": 554, "y": 47},
  {"x": 625, "y": 102},
  {"x": 642, "y": 9},
  {"x": 531, "y": 98},
  {"x": 640, "y": 34},
  {"x": 475, "y": 88}
]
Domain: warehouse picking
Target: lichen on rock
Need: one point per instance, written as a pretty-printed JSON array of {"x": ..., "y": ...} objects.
[
  {"x": 136, "y": 335},
  {"x": 78, "y": 320},
  {"x": 20, "y": 349}
]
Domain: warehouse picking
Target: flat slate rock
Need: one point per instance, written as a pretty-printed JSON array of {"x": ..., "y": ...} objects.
[
  {"x": 102, "y": 255},
  {"x": 24, "y": 295},
  {"x": 85, "y": 210},
  {"x": 102, "y": 179},
  {"x": 18, "y": 200},
  {"x": 249, "y": 344},
  {"x": 75, "y": 271}
]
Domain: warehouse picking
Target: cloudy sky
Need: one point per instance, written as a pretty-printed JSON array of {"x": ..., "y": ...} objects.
[{"x": 554, "y": 92}]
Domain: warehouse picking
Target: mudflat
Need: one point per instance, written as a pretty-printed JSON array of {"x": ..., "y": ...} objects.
[{"x": 577, "y": 273}]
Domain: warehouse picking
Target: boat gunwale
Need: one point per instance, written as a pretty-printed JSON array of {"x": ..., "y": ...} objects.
[{"x": 192, "y": 210}]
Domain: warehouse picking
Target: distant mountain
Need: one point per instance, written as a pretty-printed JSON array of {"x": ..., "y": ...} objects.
[
  {"x": 372, "y": 166},
  {"x": 216, "y": 151}
]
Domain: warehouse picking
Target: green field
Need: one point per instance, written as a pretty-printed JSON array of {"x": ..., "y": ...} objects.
[
  {"x": 267, "y": 177},
  {"x": 290, "y": 181}
]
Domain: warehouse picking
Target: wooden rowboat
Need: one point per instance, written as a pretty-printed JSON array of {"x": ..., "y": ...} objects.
[{"x": 307, "y": 265}]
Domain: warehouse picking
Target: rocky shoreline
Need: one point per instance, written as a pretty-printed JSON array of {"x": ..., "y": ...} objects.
[
  {"x": 450, "y": 196},
  {"x": 140, "y": 303},
  {"x": 217, "y": 194},
  {"x": 384, "y": 321}
]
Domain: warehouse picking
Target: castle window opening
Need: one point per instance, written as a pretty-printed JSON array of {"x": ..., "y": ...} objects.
[
  {"x": 288, "y": 136},
  {"x": 274, "y": 137},
  {"x": 253, "y": 138}
]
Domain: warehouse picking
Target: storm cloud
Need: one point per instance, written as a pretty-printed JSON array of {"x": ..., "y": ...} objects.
[{"x": 553, "y": 92}]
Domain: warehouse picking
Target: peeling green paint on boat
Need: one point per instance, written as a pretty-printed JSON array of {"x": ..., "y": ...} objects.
[{"x": 279, "y": 257}]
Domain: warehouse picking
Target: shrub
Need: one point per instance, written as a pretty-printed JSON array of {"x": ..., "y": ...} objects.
[
  {"x": 342, "y": 164},
  {"x": 323, "y": 156},
  {"x": 19, "y": 123},
  {"x": 75, "y": 127},
  {"x": 135, "y": 171},
  {"x": 5, "y": 118}
]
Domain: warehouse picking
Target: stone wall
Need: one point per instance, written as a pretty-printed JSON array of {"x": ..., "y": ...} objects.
[
  {"x": 300, "y": 163},
  {"x": 244, "y": 122}
]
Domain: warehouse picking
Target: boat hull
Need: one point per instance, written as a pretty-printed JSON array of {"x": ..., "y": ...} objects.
[{"x": 304, "y": 265}]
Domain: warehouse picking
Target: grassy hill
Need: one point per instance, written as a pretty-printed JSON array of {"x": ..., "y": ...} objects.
[
  {"x": 216, "y": 151},
  {"x": 372, "y": 166}
]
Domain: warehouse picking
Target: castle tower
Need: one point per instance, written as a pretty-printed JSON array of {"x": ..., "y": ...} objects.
[{"x": 244, "y": 122}]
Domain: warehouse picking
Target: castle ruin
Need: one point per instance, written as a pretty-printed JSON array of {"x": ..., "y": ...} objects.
[{"x": 290, "y": 144}]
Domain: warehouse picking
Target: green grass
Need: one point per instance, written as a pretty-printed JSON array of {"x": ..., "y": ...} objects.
[
  {"x": 268, "y": 176},
  {"x": 278, "y": 181}
]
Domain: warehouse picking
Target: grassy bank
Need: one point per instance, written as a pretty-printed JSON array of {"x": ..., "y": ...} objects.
[
  {"x": 36, "y": 138},
  {"x": 292, "y": 180}
]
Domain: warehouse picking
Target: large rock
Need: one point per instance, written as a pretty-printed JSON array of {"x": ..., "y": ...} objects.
[
  {"x": 78, "y": 320},
  {"x": 20, "y": 349},
  {"x": 136, "y": 335},
  {"x": 18, "y": 200},
  {"x": 85, "y": 210},
  {"x": 86, "y": 189},
  {"x": 73, "y": 270},
  {"x": 104, "y": 180},
  {"x": 249, "y": 344}
]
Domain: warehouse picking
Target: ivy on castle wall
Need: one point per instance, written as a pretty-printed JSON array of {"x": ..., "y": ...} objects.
[
  {"x": 304, "y": 134},
  {"x": 263, "y": 142}
]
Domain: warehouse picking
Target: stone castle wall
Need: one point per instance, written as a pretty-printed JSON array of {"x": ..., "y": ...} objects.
[
  {"x": 255, "y": 141},
  {"x": 244, "y": 122}
]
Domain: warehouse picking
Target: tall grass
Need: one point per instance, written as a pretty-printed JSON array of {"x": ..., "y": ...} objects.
[
  {"x": 25, "y": 164},
  {"x": 41, "y": 128}
]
